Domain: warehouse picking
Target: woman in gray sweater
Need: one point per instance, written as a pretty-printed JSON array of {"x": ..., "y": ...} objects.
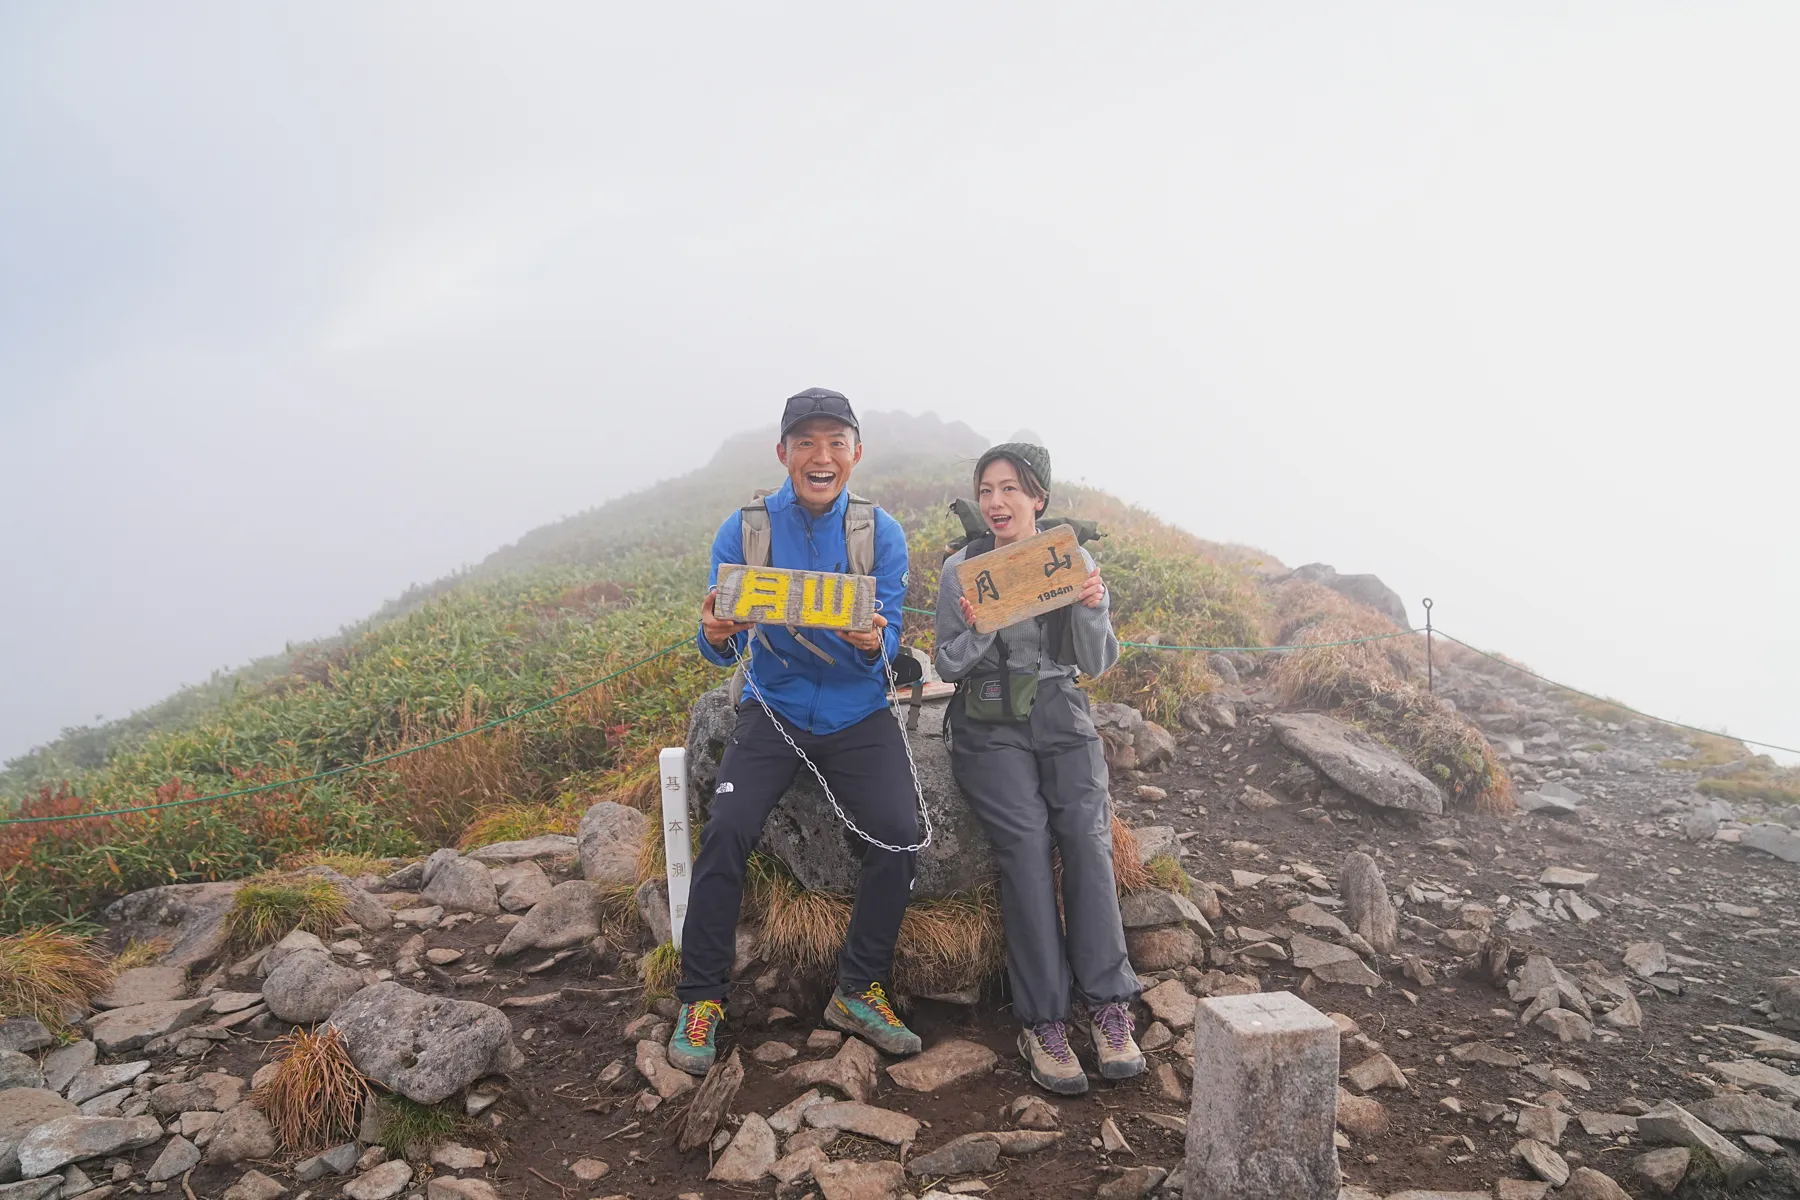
[{"x": 1026, "y": 754}]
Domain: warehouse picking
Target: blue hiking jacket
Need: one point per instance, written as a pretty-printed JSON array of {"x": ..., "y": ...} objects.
[{"x": 817, "y": 696}]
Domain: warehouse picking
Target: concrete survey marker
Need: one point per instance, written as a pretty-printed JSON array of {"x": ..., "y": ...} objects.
[
  {"x": 1025, "y": 579},
  {"x": 803, "y": 599},
  {"x": 1265, "y": 1100}
]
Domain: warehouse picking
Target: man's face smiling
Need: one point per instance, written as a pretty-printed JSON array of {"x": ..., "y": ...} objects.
[{"x": 819, "y": 455}]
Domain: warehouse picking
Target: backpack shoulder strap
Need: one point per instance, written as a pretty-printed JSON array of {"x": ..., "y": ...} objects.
[
  {"x": 859, "y": 535},
  {"x": 754, "y": 520}
]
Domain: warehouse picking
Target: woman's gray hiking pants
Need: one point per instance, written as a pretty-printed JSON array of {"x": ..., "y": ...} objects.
[{"x": 1035, "y": 787}]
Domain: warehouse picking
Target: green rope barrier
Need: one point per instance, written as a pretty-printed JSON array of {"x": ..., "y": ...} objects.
[
  {"x": 360, "y": 766},
  {"x": 1512, "y": 666},
  {"x": 1379, "y": 637}
]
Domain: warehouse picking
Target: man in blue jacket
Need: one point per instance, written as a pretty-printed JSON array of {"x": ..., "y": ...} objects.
[{"x": 828, "y": 692}]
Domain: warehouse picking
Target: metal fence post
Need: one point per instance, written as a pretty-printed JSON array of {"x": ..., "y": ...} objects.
[{"x": 1430, "y": 680}]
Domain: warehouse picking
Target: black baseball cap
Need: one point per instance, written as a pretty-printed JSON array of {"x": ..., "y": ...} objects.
[{"x": 818, "y": 402}]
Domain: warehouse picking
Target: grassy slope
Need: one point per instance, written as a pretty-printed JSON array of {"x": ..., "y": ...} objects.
[{"x": 563, "y": 606}]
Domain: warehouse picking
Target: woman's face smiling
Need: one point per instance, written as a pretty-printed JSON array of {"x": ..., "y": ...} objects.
[{"x": 1006, "y": 506}]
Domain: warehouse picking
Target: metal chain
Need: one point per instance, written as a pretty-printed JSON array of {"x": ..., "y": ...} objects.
[{"x": 887, "y": 672}]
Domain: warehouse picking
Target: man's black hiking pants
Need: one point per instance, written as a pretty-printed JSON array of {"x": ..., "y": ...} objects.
[{"x": 867, "y": 769}]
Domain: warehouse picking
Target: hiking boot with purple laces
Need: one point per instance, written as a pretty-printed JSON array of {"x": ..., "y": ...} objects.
[
  {"x": 1116, "y": 1049},
  {"x": 1053, "y": 1064}
]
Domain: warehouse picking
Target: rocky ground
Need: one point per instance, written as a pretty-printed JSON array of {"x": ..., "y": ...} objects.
[{"x": 1589, "y": 995}]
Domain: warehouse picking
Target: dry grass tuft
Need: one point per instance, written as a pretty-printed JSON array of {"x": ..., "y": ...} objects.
[
  {"x": 1129, "y": 871},
  {"x": 440, "y": 790},
  {"x": 949, "y": 944},
  {"x": 47, "y": 973},
  {"x": 141, "y": 954},
  {"x": 618, "y": 912},
  {"x": 800, "y": 929},
  {"x": 661, "y": 971},
  {"x": 1309, "y": 615},
  {"x": 1443, "y": 747},
  {"x": 350, "y": 866},
  {"x": 316, "y": 1097},
  {"x": 516, "y": 823},
  {"x": 267, "y": 910}
]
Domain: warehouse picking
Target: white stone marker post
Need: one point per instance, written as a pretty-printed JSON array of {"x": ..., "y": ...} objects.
[
  {"x": 1265, "y": 1100},
  {"x": 677, "y": 848}
]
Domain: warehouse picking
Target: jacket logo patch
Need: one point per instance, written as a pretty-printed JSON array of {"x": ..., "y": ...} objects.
[
  {"x": 990, "y": 689},
  {"x": 722, "y": 789}
]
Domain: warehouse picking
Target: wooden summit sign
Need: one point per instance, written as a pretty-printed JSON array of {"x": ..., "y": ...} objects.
[
  {"x": 804, "y": 599},
  {"x": 1026, "y": 579}
]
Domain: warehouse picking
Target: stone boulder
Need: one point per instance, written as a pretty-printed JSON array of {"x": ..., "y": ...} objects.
[
  {"x": 806, "y": 835},
  {"x": 1772, "y": 838},
  {"x": 308, "y": 986},
  {"x": 608, "y": 841},
  {"x": 1366, "y": 905},
  {"x": 190, "y": 915},
  {"x": 461, "y": 885},
  {"x": 427, "y": 1048},
  {"x": 568, "y": 916},
  {"x": 1358, "y": 763},
  {"x": 1364, "y": 589},
  {"x": 1132, "y": 743},
  {"x": 359, "y": 906},
  {"x": 549, "y": 845},
  {"x": 66, "y": 1140},
  {"x": 21, "y": 1111}
]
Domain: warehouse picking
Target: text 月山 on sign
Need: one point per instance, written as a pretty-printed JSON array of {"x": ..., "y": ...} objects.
[
  {"x": 1026, "y": 579},
  {"x": 804, "y": 599}
]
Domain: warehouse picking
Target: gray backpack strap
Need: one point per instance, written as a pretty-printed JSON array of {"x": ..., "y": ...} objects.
[
  {"x": 753, "y": 519},
  {"x": 859, "y": 535}
]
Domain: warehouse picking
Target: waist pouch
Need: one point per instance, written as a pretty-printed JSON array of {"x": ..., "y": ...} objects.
[{"x": 1003, "y": 697}]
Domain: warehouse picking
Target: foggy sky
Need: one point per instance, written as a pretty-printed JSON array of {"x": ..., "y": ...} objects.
[{"x": 302, "y": 304}]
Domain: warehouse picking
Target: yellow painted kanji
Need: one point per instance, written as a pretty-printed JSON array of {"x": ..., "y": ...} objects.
[
  {"x": 762, "y": 590},
  {"x": 827, "y": 601}
]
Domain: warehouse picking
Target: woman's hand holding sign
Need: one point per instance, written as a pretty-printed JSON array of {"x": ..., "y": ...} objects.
[{"x": 1093, "y": 592}]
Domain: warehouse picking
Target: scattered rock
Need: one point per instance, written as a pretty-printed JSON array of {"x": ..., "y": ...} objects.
[
  {"x": 526, "y": 885},
  {"x": 57, "y": 1143},
  {"x": 866, "y": 1120},
  {"x": 789, "y": 1118},
  {"x": 1366, "y": 903},
  {"x": 1589, "y": 1184},
  {"x": 1360, "y": 1116},
  {"x": 1736, "y": 1113},
  {"x": 1758, "y": 1077},
  {"x": 608, "y": 841},
  {"x": 970, "y": 1154},
  {"x": 1358, "y": 764},
  {"x": 851, "y": 1180},
  {"x": 548, "y": 845},
  {"x": 307, "y": 986},
  {"x": 24, "y": 1035},
  {"x": 96, "y": 1080},
  {"x": 381, "y": 1182},
  {"x": 749, "y": 1156},
  {"x": 19, "y": 1071},
  {"x": 1663, "y": 1169},
  {"x": 191, "y": 915},
  {"x": 427, "y": 1048},
  {"x": 243, "y": 1133},
  {"x": 939, "y": 1066},
  {"x": 143, "y": 985},
  {"x": 253, "y": 1185},
  {"x": 653, "y": 1064},
  {"x": 851, "y": 1070},
  {"x": 462, "y": 885},
  {"x": 568, "y": 916},
  {"x": 1544, "y": 1162},
  {"x": 772, "y": 1052},
  {"x": 339, "y": 1160},
  {"x": 1669, "y": 1122},
  {"x": 62, "y": 1065},
  {"x": 1567, "y": 1026},
  {"x": 1646, "y": 959},
  {"x": 1172, "y": 1004},
  {"x": 1564, "y": 877},
  {"x": 798, "y": 1165},
  {"x": 120, "y": 1029},
  {"x": 1375, "y": 1072}
]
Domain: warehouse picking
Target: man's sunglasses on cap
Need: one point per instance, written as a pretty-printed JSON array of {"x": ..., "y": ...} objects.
[{"x": 817, "y": 402}]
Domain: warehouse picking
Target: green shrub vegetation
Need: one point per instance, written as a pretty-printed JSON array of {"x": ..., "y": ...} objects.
[{"x": 559, "y": 609}]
